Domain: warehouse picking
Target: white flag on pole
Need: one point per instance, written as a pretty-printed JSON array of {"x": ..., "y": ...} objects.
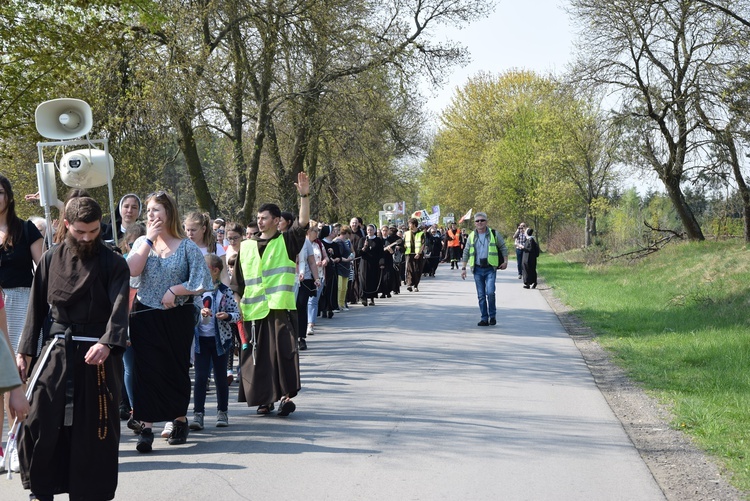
[{"x": 465, "y": 216}]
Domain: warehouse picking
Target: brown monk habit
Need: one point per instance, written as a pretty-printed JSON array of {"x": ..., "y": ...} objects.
[{"x": 69, "y": 442}]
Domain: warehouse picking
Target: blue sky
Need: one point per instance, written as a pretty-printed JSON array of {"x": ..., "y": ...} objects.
[
  {"x": 520, "y": 34},
  {"x": 523, "y": 34}
]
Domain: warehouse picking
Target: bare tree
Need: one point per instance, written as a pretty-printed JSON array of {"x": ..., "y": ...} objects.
[
  {"x": 588, "y": 149},
  {"x": 655, "y": 55}
]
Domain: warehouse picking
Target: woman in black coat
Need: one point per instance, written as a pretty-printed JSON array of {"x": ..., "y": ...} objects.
[
  {"x": 371, "y": 265},
  {"x": 530, "y": 254}
]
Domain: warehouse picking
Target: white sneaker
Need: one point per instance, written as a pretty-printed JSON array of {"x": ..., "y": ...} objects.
[
  {"x": 167, "y": 431},
  {"x": 15, "y": 465},
  {"x": 310, "y": 330}
]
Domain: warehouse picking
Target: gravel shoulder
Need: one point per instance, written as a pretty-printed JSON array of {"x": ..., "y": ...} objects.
[{"x": 682, "y": 470}]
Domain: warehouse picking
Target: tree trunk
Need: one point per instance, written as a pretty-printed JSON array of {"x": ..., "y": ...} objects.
[
  {"x": 189, "y": 150},
  {"x": 590, "y": 229},
  {"x": 247, "y": 211},
  {"x": 690, "y": 224},
  {"x": 238, "y": 114},
  {"x": 285, "y": 188},
  {"x": 741, "y": 184}
]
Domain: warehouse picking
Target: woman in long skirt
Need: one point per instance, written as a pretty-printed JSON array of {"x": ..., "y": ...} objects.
[{"x": 171, "y": 271}]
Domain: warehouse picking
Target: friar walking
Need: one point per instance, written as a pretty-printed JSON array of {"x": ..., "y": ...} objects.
[{"x": 69, "y": 441}]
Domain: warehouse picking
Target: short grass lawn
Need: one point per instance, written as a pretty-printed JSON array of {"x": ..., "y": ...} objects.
[{"x": 678, "y": 322}]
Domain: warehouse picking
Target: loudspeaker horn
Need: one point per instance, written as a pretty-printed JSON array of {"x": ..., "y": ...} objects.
[
  {"x": 87, "y": 168},
  {"x": 389, "y": 207},
  {"x": 63, "y": 118}
]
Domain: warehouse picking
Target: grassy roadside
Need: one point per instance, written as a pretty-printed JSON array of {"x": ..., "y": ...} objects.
[{"x": 678, "y": 322}]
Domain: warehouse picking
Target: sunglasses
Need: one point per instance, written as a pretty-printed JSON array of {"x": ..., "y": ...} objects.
[{"x": 480, "y": 220}]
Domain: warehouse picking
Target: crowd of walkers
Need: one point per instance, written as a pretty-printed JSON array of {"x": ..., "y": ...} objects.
[{"x": 207, "y": 294}]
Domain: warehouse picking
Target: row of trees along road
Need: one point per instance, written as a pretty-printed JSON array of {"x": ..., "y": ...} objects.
[
  {"x": 679, "y": 69},
  {"x": 224, "y": 101},
  {"x": 523, "y": 146},
  {"x": 675, "y": 76}
]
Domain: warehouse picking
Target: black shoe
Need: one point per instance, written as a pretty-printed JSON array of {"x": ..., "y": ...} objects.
[
  {"x": 124, "y": 412},
  {"x": 134, "y": 425},
  {"x": 145, "y": 440},
  {"x": 286, "y": 407},
  {"x": 388, "y": 295},
  {"x": 180, "y": 430},
  {"x": 526, "y": 286},
  {"x": 372, "y": 302},
  {"x": 302, "y": 344},
  {"x": 483, "y": 323},
  {"x": 533, "y": 286},
  {"x": 493, "y": 321}
]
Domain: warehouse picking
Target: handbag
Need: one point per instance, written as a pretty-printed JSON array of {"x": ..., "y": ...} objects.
[{"x": 9, "y": 377}]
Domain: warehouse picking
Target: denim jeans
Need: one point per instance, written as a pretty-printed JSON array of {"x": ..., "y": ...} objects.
[
  {"x": 312, "y": 305},
  {"x": 519, "y": 261},
  {"x": 484, "y": 279},
  {"x": 128, "y": 362},
  {"x": 203, "y": 361}
]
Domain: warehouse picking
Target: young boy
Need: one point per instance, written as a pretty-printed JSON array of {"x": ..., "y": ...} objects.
[{"x": 213, "y": 338}]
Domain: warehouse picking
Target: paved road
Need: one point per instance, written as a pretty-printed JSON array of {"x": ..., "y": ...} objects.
[{"x": 411, "y": 400}]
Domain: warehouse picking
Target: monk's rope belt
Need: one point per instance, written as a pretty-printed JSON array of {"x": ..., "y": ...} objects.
[{"x": 63, "y": 331}]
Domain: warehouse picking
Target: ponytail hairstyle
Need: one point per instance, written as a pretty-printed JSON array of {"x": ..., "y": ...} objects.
[{"x": 204, "y": 221}]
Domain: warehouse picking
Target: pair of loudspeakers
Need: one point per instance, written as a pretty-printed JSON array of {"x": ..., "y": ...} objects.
[{"x": 66, "y": 119}]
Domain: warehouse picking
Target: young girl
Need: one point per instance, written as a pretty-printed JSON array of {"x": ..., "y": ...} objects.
[
  {"x": 198, "y": 229},
  {"x": 213, "y": 338}
]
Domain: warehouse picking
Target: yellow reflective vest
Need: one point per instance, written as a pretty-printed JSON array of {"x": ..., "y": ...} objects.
[
  {"x": 492, "y": 256},
  {"x": 417, "y": 242},
  {"x": 269, "y": 280}
]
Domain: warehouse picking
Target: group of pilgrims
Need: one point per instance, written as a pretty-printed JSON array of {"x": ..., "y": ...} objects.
[{"x": 107, "y": 323}]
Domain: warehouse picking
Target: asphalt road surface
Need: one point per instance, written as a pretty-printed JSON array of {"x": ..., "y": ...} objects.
[{"x": 411, "y": 400}]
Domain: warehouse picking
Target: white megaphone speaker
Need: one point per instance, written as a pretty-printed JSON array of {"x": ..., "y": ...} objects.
[
  {"x": 87, "y": 168},
  {"x": 63, "y": 118}
]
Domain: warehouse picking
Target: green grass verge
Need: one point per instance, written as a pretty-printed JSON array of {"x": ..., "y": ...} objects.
[{"x": 678, "y": 322}]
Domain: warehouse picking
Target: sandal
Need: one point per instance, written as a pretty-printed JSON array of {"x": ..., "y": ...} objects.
[
  {"x": 264, "y": 409},
  {"x": 286, "y": 407}
]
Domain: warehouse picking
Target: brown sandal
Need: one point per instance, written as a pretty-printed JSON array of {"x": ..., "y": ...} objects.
[{"x": 264, "y": 409}]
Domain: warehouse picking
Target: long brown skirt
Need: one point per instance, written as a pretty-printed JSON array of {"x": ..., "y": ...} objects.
[{"x": 275, "y": 371}]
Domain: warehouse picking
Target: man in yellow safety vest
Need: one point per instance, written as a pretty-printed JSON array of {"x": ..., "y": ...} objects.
[
  {"x": 485, "y": 253},
  {"x": 263, "y": 279},
  {"x": 414, "y": 253}
]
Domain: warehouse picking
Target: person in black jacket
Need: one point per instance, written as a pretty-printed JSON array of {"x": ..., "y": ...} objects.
[{"x": 530, "y": 254}]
